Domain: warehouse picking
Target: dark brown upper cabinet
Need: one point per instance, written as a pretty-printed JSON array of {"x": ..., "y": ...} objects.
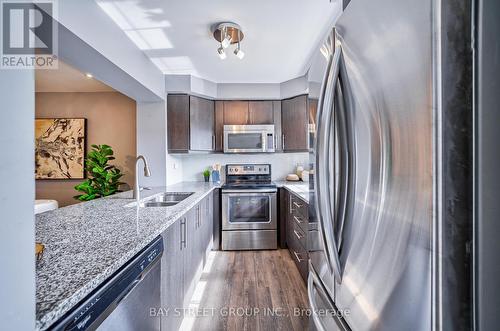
[
  {"x": 241, "y": 112},
  {"x": 202, "y": 122},
  {"x": 235, "y": 112},
  {"x": 313, "y": 109},
  {"x": 294, "y": 124},
  {"x": 197, "y": 124},
  {"x": 260, "y": 112},
  {"x": 178, "y": 122},
  {"x": 190, "y": 123},
  {"x": 248, "y": 112},
  {"x": 219, "y": 126}
]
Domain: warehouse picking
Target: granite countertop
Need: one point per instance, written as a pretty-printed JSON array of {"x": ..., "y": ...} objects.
[
  {"x": 87, "y": 242},
  {"x": 299, "y": 188}
]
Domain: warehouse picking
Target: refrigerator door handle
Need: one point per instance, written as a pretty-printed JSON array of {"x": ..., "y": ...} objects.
[
  {"x": 314, "y": 284},
  {"x": 317, "y": 180},
  {"x": 344, "y": 163},
  {"x": 323, "y": 205},
  {"x": 310, "y": 294}
]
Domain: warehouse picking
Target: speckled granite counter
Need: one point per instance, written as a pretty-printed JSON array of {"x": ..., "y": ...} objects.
[
  {"x": 301, "y": 189},
  {"x": 87, "y": 242}
]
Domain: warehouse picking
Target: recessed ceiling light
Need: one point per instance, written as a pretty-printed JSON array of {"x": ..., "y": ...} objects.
[{"x": 89, "y": 75}]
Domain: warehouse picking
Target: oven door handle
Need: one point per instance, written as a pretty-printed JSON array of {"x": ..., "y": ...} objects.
[{"x": 248, "y": 192}]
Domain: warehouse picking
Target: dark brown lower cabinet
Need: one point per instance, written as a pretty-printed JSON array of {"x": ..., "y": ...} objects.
[
  {"x": 297, "y": 227},
  {"x": 187, "y": 243}
]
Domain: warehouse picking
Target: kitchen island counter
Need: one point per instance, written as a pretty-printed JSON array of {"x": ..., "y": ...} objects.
[{"x": 87, "y": 242}]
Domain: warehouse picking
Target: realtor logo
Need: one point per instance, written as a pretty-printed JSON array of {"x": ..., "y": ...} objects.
[{"x": 29, "y": 35}]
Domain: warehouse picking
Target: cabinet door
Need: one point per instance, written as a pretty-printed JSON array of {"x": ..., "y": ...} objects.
[
  {"x": 236, "y": 112},
  {"x": 313, "y": 108},
  {"x": 216, "y": 226},
  {"x": 189, "y": 253},
  {"x": 260, "y": 112},
  {"x": 193, "y": 259},
  {"x": 219, "y": 126},
  {"x": 294, "y": 123},
  {"x": 283, "y": 213},
  {"x": 178, "y": 122},
  {"x": 277, "y": 125},
  {"x": 172, "y": 261},
  {"x": 208, "y": 225},
  {"x": 202, "y": 124}
]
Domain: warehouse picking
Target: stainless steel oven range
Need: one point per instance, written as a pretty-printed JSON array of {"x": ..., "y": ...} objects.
[{"x": 249, "y": 208}]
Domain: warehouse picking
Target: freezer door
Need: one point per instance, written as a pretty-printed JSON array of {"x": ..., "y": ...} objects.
[
  {"x": 325, "y": 315},
  {"x": 383, "y": 129}
]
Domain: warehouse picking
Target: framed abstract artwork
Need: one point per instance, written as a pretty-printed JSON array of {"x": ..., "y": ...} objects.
[{"x": 59, "y": 148}]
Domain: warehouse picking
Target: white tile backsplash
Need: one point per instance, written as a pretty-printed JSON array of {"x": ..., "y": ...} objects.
[{"x": 281, "y": 163}]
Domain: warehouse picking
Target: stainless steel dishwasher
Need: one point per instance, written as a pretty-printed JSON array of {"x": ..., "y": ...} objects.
[{"x": 124, "y": 301}]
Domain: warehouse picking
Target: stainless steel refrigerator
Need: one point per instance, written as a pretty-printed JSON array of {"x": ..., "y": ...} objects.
[{"x": 380, "y": 258}]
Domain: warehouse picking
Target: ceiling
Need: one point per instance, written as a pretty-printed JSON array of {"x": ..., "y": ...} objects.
[
  {"x": 67, "y": 79},
  {"x": 280, "y": 35}
]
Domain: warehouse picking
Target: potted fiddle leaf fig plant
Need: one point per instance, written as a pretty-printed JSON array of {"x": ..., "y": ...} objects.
[{"x": 103, "y": 179}]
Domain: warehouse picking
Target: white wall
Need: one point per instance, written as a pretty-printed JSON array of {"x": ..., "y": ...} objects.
[
  {"x": 248, "y": 91},
  {"x": 166, "y": 169},
  {"x": 281, "y": 163},
  {"x": 236, "y": 91},
  {"x": 17, "y": 234},
  {"x": 152, "y": 142},
  {"x": 90, "y": 23}
]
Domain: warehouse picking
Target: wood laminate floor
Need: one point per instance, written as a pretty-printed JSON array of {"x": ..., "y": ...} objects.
[{"x": 249, "y": 290}]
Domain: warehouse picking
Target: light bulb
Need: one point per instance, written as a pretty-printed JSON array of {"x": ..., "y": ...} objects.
[
  {"x": 221, "y": 53},
  {"x": 239, "y": 53},
  {"x": 226, "y": 41}
]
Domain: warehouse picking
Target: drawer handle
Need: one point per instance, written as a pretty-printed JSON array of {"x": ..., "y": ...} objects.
[
  {"x": 297, "y": 205},
  {"x": 298, "y": 220},
  {"x": 298, "y": 235},
  {"x": 297, "y": 256}
]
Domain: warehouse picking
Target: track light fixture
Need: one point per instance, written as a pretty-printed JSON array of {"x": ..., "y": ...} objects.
[{"x": 228, "y": 33}]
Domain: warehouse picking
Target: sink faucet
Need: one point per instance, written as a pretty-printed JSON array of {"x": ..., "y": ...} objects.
[{"x": 147, "y": 173}]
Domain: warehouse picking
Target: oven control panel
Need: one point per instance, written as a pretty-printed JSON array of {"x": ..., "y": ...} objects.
[{"x": 248, "y": 169}]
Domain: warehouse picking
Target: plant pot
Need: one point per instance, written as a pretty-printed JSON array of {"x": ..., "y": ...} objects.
[{"x": 207, "y": 179}]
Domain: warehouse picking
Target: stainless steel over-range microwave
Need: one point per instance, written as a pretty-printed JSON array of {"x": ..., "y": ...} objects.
[{"x": 249, "y": 139}]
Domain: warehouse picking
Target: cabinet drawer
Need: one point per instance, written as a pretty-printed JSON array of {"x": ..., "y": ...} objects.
[
  {"x": 300, "y": 257},
  {"x": 298, "y": 234},
  {"x": 298, "y": 206},
  {"x": 299, "y": 219}
]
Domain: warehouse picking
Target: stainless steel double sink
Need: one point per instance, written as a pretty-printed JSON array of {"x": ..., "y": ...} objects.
[{"x": 166, "y": 199}]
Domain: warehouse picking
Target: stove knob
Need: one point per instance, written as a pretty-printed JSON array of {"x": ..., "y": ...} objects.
[{"x": 236, "y": 170}]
